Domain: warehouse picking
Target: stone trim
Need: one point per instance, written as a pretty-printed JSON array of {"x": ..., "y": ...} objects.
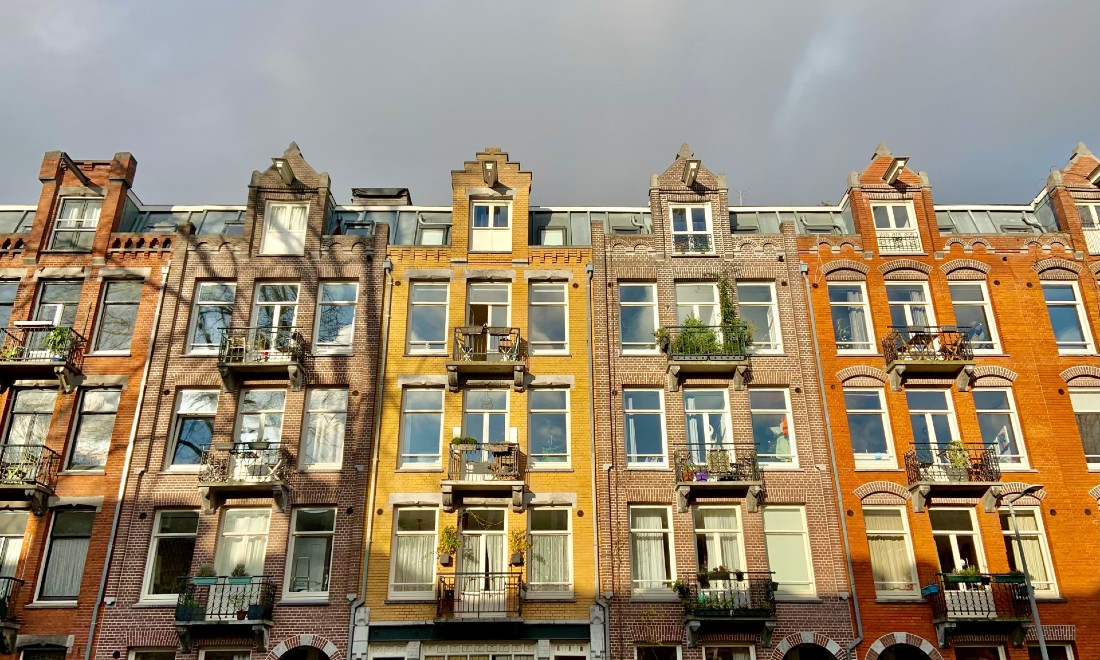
[
  {"x": 1053, "y": 633},
  {"x": 124, "y": 274},
  {"x": 1094, "y": 492},
  {"x": 844, "y": 270},
  {"x": 791, "y": 641},
  {"x": 549, "y": 380},
  {"x": 879, "y": 487},
  {"x": 553, "y": 499},
  {"x": 105, "y": 381},
  {"x": 965, "y": 269},
  {"x": 862, "y": 371},
  {"x": 12, "y": 273},
  {"x": 542, "y": 274},
  {"x": 415, "y": 499},
  {"x": 908, "y": 639},
  {"x": 77, "y": 502},
  {"x": 305, "y": 639},
  {"x": 76, "y": 273},
  {"x": 1014, "y": 487},
  {"x": 1057, "y": 269},
  {"x": 428, "y": 274},
  {"x": 490, "y": 274},
  {"x": 422, "y": 380},
  {"x": 890, "y": 270},
  {"x": 56, "y": 641},
  {"x": 1080, "y": 371}
]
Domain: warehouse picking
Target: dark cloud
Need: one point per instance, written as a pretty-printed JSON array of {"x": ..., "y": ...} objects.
[{"x": 786, "y": 98}]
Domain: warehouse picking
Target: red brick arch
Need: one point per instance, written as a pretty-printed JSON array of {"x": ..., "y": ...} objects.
[
  {"x": 305, "y": 639},
  {"x": 909, "y": 639},
  {"x": 791, "y": 641}
]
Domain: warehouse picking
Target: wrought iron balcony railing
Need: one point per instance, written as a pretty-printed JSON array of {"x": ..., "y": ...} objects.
[
  {"x": 705, "y": 342},
  {"x": 954, "y": 462},
  {"x": 33, "y": 347},
  {"x": 730, "y": 595},
  {"x": 225, "y": 599},
  {"x": 692, "y": 244},
  {"x": 480, "y": 595},
  {"x": 899, "y": 241},
  {"x": 926, "y": 343},
  {"x": 28, "y": 465},
  {"x": 9, "y": 596},
  {"x": 488, "y": 344},
  {"x": 500, "y": 461},
  {"x": 978, "y": 597},
  {"x": 259, "y": 346},
  {"x": 709, "y": 463},
  {"x": 246, "y": 464}
]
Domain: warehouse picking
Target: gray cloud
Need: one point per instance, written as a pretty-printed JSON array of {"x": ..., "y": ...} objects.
[{"x": 592, "y": 97}]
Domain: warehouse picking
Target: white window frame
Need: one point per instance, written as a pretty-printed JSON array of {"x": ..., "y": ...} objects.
[
  {"x": 293, "y": 536},
  {"x": 1082, "y": 318},
  {"x": 952, "y": 420},
  {"x": 74, "y": 225},
  {"x": 693, "y": 308},
  {"x": 707, "y": 441},
  {"x": 564, "y": 305},
  {"x": 1017, "y": 430},
  {"x": 908, "y": 539},
  {"x": 289, "y": 248},
  {"x": 104, "y": 304},
  {"x": 307, "y": 425},
  {"x": 262, "y": 413},
  {"x": 1094, "y": 464},
  {"x": 975, "y": 533},
  {"x": 154, "y": 543},
  {"x": 222, "y": 534},
  {"x": 867, "y": 461},
  {"x": 1089, "y": 213},
  {"x": 689, "y": 232},
  {"x": 78, "y": 426},
  {"x": 278, "y": 306},
  {"x": 567, "y": 591},
  {"x": 59, "y": 308},
  {"x": 48, "y": 550},
  {"x": 412, "y": 595},
  {"x": 196, "y": 303},
  {"x": 679, "y": 649},
  {"x": 778, "y": 464},
  {"x": 441, "y": 411},
  {"x": 177, "y": 424},
  {"x": 662, "y": 464},
  {"x": 135, "y": 653},
  {"x": 333, "y": 348},
  {"x": 773, "y": 347},
  {"x": 637, "y": 348},
  {"x": 495, "y": 239},
  {"x": 987, "y": 308},
  {"x": 662, "y": 592},
  {"x": 566, "y": 462},
  {"x": 723, "y": 645},
  {"x": 893, "y": 230},
  {"x": 872, "y": 346},
  {"x": 425, "y": 348},
  {"x": 1051, "y": 590},
  {"x": 805, "y": 589},
  {"x": 238, "y": 653},
  {"x": 907, "y": 307},
  {"x": 739, "y": 562},
  {"x": 13, "y": 397},
  {"x": 471, "y": 397}
]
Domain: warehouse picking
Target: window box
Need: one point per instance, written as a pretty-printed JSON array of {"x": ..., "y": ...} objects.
[{"x": 204, "y": 581}]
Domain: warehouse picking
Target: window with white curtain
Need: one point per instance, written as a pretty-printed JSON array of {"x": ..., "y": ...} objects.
[
  {"x": 644, "y": 428},
  {"x": 326, "y": 419},
  {"x": 29, "y": 419},
  {"x": 1086, "y": 410},
  {"x": 194, "y": 427},
  {"x": 94, "y": 427},
  {"x": 707, "y": 422},
  {"x": 284, "y": 229},
  {"x": 485, "y": 415},
  {"x": 756, "y": 304},
  {"x": 1035, "y": 550},
  {"x": 974, "y": 315},
  {"x": 310, "y": 560},
  {"x": 66, "y": 551},
  {"x": 171, "y": 551},
  {"x": 698, "y": 300},
  {"x": 727, "y": 653},
  {"x": 718, "y": 540},
  {"x": 421, "y": 427},
  {"x": 1000, "y": 426},
  {"x": 910, "y": 305},
  {"x": 652, "y": 564},
  {"x": 335, "y": 318},
  {"x": 412, "y": 562},
  {"x": 637, "y": 318},
  {"x": 211, "y": 316},
  {"x": 892, "y": 562},
  {"x": 788, "y": 544},
  {"x": 260, "y": 418},
  {"x": 242, "y": 541},
  {"x": 74, "y": 228},
  {"x": 958, "y": 543},
  {"x": 869, "y": 428},
  {"x": 549, "y": 567},
  {"x": 13, "y": 524},
  {"x": 851, "y": 318}
]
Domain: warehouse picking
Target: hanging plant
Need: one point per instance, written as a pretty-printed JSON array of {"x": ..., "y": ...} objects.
[
  {"x": 448, "y": 544},
  {"x": 736, "y": 332},
  {"x": 518, "y": 544}
]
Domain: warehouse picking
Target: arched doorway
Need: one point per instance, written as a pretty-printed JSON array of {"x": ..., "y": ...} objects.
[
  {"x": 902, "y": 652},
  {"x": 305, "y": 653},
  {"x": 808, "y": 652}
]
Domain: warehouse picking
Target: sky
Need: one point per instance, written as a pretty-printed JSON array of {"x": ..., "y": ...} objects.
[{"x": 785, "y": 98}]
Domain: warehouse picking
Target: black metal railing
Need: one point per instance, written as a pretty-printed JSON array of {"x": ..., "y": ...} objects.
[
  {"x": 692, "y": 243},
  {"x": 978, "y": 597},
  {"x": 899, "y": 242},
  {"x": 257, "y": 463},
  {"x": 477, "y": 595},
  {"x": 730, "y": 595},
  {"x": 9, "y": 596},
  {"x": 703, "y": 463},
  {"x": 28, "y": 465},
  {"x": 953, "y": 462},
  {"x": 225, "y": 598},
  {"x": 943, "y": 343},
  {"x": 491, "y": 461},
  {"x": 488, "y": 344},
  {"x": 41, "y": 343},
  {"x": 250, "y": 346},
  {"x": 706, "y": 342}
]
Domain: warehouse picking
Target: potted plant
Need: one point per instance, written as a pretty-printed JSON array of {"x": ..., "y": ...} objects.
[
  {"x": 681, "y": 589},
  {"x": 966, "y": 574},
  {"x": 206, "y": 576},
  {"x": 59, "y": 341},
  {"x": 239, "y": 576},
  {"x": 1012, "y": 577},
  {"x": 660, "y": 336},
  {"x": 463, "y": 442},
  {"x": 701, "y": 475},
  {"x": 687, "y": 473},
  {"x": 255, "y": 612},
  {"x": 189, "y": 609},
  {"x": 695, "y": 339},
  {"x": 11, "y": 353},
  {"x": 448, "y": 544},
  {"x": 719, "y": 573},
  {"x": 704, "y": 579},
  {"x": 518, "y": 544}
]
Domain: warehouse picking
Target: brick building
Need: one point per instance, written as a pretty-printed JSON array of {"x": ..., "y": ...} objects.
[
  {"x": 78, "y": 297},
  {"x": 249, "y": 462},
  {"x": 717, "y": 503}
]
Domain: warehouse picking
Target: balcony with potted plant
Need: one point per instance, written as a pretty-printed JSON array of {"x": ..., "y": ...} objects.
[
  {"x": 248, "y": 469},
  {"x": 212, "y": 605},
  {"x": 264, "y": 353},
  {"x": 697, "y": 348},
  {"x": 955, "y": 470},
  {"x": 969, "y": 602},
  {"x": 40, "y": 349},
  {"x": 483, "y": 470},
  {"x": 723, "y": 599},
  {"x": 487, "y": 352},
  {"x": 717, "y": 470},
  {"x": 928, "y": 352}
]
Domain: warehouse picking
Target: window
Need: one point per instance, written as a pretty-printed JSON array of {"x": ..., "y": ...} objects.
[
  {"x": 551, "y": 236},
  {"x": 194, "y": 428},
  {"x": 657, "y": 653},
  {"x": 772, "y": 431},
  {"x": 491, "y": 230},
  {"x": 276, "y": 309},
  {"x": 421, "y": 427},
  {"x": 932, "y": 419},
  {"x": 547, "y": 319},
  {"x": 1086, "y": 409},
  {"x": 412, "y": 568},
  {"x": 155, "y": 654},
  {"x": 718, "y": 540},
  {"x": 260, "y": 418},
  {"x": 485, "y": 416},
  {"x": 897, "y": 232},
  {"x": 326, "y": 419},
  {"x": 13, "y": 524},
  {"x": 707, "y": 422},
  {"x": 869, "y": 428},
  {"x": 94, "y": 427},
  {"x": 999, "y": 425},
  {"x": 699, "y": 301},
  {"x": 284, "y": 229},
  {"x": 212, "y": 315},
  {"x": 757, "y": 305},
  {"x": 728, "y": 653},
  {"x": 691, "y": 230},
  {"x": 7, "y": 301},
  {"x": 957, "y": 543},
  {"x": 638, "y": 317},
  {"x": 548, "y": 427},
  {"x": 487, "y": 303},
  {"x": 336, "y": 317},
  {"x": 1067, "y": 318},
  {"x": 311, "y": 551},
  {"x": 892, "y": 562},
  {"x": 1054, "y": 652},
  {"x": 651, "y": 559},
  {"x": 242, "y": 541},
  {"x": 644, "y": 428},
  {"x": 118, "y": 315},
  {"x": 427, "y": 317},
  {"x": 57, "y": 303},
  {"x": 974, "y": 315},
  {"x": 851, "y": 318},
  {"x": 788, "y": 547},
  {"x": 1035, "y": 549},
  {"x": 549, "y": 569},
  {"x": 224, "y": 654},
  {"x": 29, "y": 419},
  {"x": 170, "y": 553},
  {"x": 1090, "y": 224},
  {"x": 74, "y": 229},
  {"x": 65, "y": 554},
  {"x": 909, "y": 305}
]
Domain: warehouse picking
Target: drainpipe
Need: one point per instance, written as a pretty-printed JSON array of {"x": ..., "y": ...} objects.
[
  {"x": 387, "y": 266},
  {"x": 589, "y": 269},
  {"x": 850, "y": 650},
  {"x": 126, "y": 464}
]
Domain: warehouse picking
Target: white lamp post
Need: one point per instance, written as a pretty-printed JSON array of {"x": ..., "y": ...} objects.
[{"x": 1027, "y": 575}]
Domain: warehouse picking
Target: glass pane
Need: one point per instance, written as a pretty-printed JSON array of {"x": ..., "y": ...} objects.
[
  {"x": 178, "y": 522},
  {"x": 632, "y": 293},
  {"x": 549, "y": 520},
  {"x": 944, "y": 520},
  {"x": 1054, "y": 292},
  {"x": 315, "y": 520},
  {"x": 416, "y": 520},
  {"x": 338, "y": 292}
]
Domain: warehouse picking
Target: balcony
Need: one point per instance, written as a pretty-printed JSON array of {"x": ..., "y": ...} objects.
[
  {"x": 225, "y": 605},
  {"x": 38, "y": 349},
  {"x": 957, "y": 469},
  {"x": 28, "y": 472},
  {"x": 717, "y": 470},
  {"x": 9, "y": 623},
  {"x": 264, "y": 353},
  {"x": 928, "y": 351},
  {"x": 692, "y": 244},
  {"x": 729, "y": 601},
  {"x": 254, "y": 470},
  {"x": 489, "y": 469},
  {"x": 479, "y": 596},
  {"x": 704, "y": 349},
  {"x": 899, "y": 241},
  {"x": 487, "y": 353},
  {"x": 979, "y": 604}
]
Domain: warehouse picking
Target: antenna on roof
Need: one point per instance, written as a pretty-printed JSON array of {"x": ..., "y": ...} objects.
[{"x": 741, "y": 196}]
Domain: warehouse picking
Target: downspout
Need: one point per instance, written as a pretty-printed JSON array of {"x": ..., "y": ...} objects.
[
  {"x": 589, "y": 269},
  {"x": 126, "y": 464},
  {"x": 849, "y": 651},
  {"x": 387, "y": 266}
]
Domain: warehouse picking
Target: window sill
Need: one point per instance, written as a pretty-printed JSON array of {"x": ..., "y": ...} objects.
[
  {"x": 343, "y": 353},
  {"x": 323, "y": 469},
  {"x": 108, "y": 354},
  {"x": 411, "y": 470},
  {"x": 841, "y": 353},
  {"x": 652, "y": 353},
  {"x": 1039, "y": 598},
  {"x": 556, "y": 468},
  {"x": 900, "y": 600},
  {"x": 57, "y": 251},
  {"x": 779, "y": 353},
  {"x": 797, "y": 598},
  {"x": 48, "y": 604},
  {"x": 419, "y": 600},
  {"x": 193, "y": 354},
  {"x": 550, "y": 597},
  {"x": 1079, "y": 353},
  {"x": 1018, "y": 470},
  {"x": 566, "y": 354},
  {"x": 646, "y": 468},
  {"x": 180, "y": 470},
  {"x": 421, "y": 355},
  {"x": 786, "y": 467},
  {"x": 695, "y": 254},
  {"x": 81, "y": 473},
  {"x": 993, "y": 354},
  {"x": 287, "y": 601},
  {"x": 889, "y": 467}
]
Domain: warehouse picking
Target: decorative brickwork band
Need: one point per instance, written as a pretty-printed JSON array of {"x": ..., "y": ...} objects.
[
  {"x": 1095, "y": 493},
  {"x": 1085, "y": 372},
  {"x": 905, "y": 269},
  {"x": 791, "y": 641},
  {"x": 1014, "y": 487},
  {"x": 297, "y": 641},
  {"x": 844, "y": 269},
  {"x": 878, "y": 487},
  {"x": 862, "y": 371},
  {"x": 965, "y": 269},
  {"x": 1057, "y": 269},
  {"x": 907, "y": 639},
  {"x": 993, "y": 376}
]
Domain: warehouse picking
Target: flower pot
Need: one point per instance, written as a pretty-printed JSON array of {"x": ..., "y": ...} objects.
[
  {"x": 517, "y": 559},
  {"x": 1009, "y": 579},
  {"x": 239, "y": 579},
  {"x": 719, "y": 575},
  {"x": 241, "y": 614},
  {"x": 704, "y": 580},
  {"x": 189, "y": 613},
  {"x": 962, "y": 579},
  {"x": 259, "y": 445},
  {"x": 701, "y": 475},
  {"x": 255, "y": 612},
  {"x": 444, "y": 560},
  {"x": 204, "y": 581}
]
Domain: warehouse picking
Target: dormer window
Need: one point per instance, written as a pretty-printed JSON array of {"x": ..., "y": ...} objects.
[
  {"x": 552, "y": 236},
  {"x": 896, "y": 227},
  {"x": 491, "y": 227},
  {"x": 74, "y": 229},
  {"x": 691, "y": 231},
  {"x": 1090, "y": 225},
  {"x": 284, "y": 229}
]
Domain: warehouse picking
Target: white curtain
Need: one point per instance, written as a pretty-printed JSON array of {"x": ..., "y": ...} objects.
[
  {"x": 721, "y": 547},
  {"x": 857, "y": 317},
  {"x": 286, "y": 229},
  {"x": 549, "y": 566},
  {"x": 66, "y": 567},
  {"x": 1033, "y": 549},
  {"x": 650, "y": 566},
  {"x": 244, "y": 541},
  {"x": 412, "y": 570},
  {"x": 890, "y": 562},
  {"x": 325, "y": 438}
]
